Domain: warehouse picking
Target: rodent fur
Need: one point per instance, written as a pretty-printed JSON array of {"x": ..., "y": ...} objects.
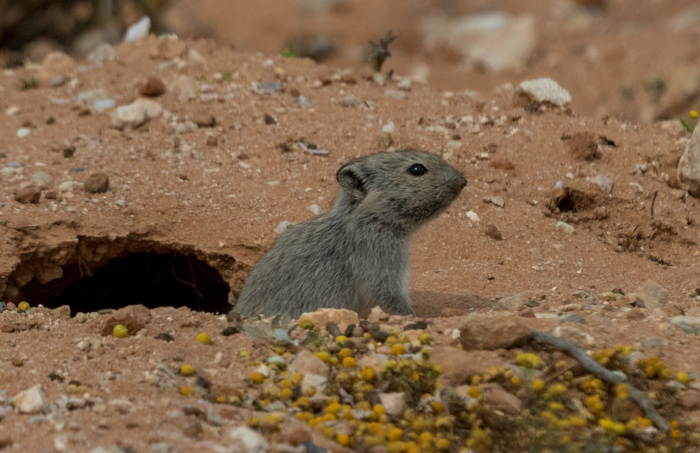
[{"x": 355, "y": 256}]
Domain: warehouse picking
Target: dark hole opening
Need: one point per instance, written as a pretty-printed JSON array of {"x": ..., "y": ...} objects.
[
  {"x": 575, "y": 201},
  {"x": 148, "y": 278}
]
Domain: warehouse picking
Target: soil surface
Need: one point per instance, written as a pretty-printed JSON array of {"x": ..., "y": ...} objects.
[{"x": 212, "y": 195}]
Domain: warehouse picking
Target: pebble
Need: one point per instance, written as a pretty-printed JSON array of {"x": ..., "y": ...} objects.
[
  {"x": 565, "y": 227},
  {"x": 688, "y": 171},
  {"x": 14, "y": 165},
  {"x": 497, "y": 201},
  {"x": 511, "y": 303},
  {"x": 104, "y": 104},
  {"x": 690, "y": 324},
  {"x": 204, "y": 120},
  {"x": 341, "y": 317},
  {"x": 396, "y": 94},
  {"x": 459, "y": 366},
  {"x": 268, "y": 64},
  {"x": 13, "y": 110},
  {"x": 313, "y": 383},
  {"x": 306, "y": 362},
  {"x": 57, "y": 81},
  {"x": 97, "y": 183},
  {"x": 31, "y": 401},
  {"x": 389, "y": 127},
  {"x": 304, "y": 101},
  {"x": 573, "y": 317},
  {"x": 154, "y": 87},
  {"x": 23, "y": 132},
  {"x": 135, "y": 114},
  {"x": 603, "y": 182},
  {"x": 269, "y": 88},
  {"x": 246, "y": 440},
  {"x": 121, "y": 203},
  {"x": 138, "y": 30},
  {"x": 283, "y": 226},
  {"x": 350, "y": 101},
  {"x": 28, "y": 195},
  {"x": 102, "y": 54},
  {"x": 473, "y": 216},
  {"x": 41, "y": 180},
  {"x": 652, "y": 342},
  {"x": 405, "y": 85},
  {"x": 316, "y": 209},
  {"x": 571, "y": 333},
  {"x": 493, "y": 232},
  {"x": 544, "y": 90},
  {"x": 66, "y": 186},
  {"x": 269, "y": 119}
]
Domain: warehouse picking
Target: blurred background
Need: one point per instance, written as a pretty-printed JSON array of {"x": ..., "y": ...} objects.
[{"x": 637, "y": 60}]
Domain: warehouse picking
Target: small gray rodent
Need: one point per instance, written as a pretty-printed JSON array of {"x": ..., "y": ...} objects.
[{"x": 355, "y": 256}]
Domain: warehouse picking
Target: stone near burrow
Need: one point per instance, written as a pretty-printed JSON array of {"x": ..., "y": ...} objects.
[
  {"x": 41, "y": 180},
  {"x": 133, "y": 317},
  {"x": 342, "y": 317},
  {"x": 31, "y": 401},
  {"x": 603, "y": 182},
  {"x": 246, "y": 440},
  {"x": 544, "y": 91},
  {"x": 565, "y": 227},
  {"x": 511, "y": 303},
  {"x": 489, "y": 332},
  {"x": 97, "y": 183},
  {"x": 306, "y": 362},
  {"x": 28, "y": 195},
  {"x": 689, "y": 165},
  {"x": 649, "y": 296},
  {"x": 459, "y": 366},
  {"x": 135, "y": 114},
  {"x": 204, "y": 120}
]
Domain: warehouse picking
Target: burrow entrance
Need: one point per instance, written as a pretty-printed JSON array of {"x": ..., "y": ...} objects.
[{"x": 102, "y": 273}]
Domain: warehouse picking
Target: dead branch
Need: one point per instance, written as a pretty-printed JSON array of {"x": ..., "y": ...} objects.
[{"x": 604, "y": 374}]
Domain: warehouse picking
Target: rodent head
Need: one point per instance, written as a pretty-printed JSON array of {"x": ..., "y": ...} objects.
[{"x": 405, "y": 188}]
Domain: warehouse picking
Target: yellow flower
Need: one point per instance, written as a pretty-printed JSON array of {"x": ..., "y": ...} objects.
[
  {"x": 119, "y": 331},
  {"x": 693, "y": 114},
  {"x": 204, "y": 338}
]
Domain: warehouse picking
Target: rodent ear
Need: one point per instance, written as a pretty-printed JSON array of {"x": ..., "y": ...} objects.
[{"x": 350, "y": 178}]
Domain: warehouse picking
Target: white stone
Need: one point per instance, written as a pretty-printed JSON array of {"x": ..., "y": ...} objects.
[
  {"x": 246, "y": 440},
  {"x": 544, "y": 90},
  {"x": 135, "y": 114},
  {"x": 313, "y": 383},
  {"x": 316, "y": 209},
  {"x": 389, "y": 127},
  {"x": 22, "y": 132},
  {"x": 31, "y": 401},
  {"x": 602, "y": 181},
  {"x": 565, "y": 227},
  {"x": 41, "y": 180},
  {"x": 473, "y": 216},
  {"x": 394, "y": 403},
  {"x": 138, "y": 30},
  {"x": 283, "y": 226}
]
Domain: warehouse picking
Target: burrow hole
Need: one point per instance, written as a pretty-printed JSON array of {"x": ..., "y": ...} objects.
[{"x": 124, "y": 274}]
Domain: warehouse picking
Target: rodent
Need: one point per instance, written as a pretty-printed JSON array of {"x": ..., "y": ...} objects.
[{"x": 355, "y": 256}]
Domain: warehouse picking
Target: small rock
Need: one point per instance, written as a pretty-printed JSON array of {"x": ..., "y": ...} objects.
[
  {"x": 473, "y": 216},
  {"x": 283, "y": 227},
  {"x": 13, "y": 110},
  {"x": 304, "y": 102},
  {"x": 269, "y": 88},
  {"x": 121, "y": 203},
  {"x": 246, "y": 440},
  {"x": 97, "y": 183},
  {"x": 102, "y": 54},
  {"x": 394, "y": 403},
  {"x": 154, "y": 87},
  {"x": 690, "y": 324},
  {"x": 316, "y": 209},
  {"x": 389, "y": 127},
  {"x": 23, "y": 132},
  {"x": 458, "y": 366},
  {"x": 405, "y": 85},
  {"x": 313, "y": 383},
  {"x": 493, "y": 232},
  {"x": 55, "y": 63},
  {"x": 511, "y": 303},
  {"x": 602, "y": 181},
  {"x": 185, "y": 88},
  {"x": 573, "y": 317},
  {"x": 299, "y": 436},
  {"x": 396, "y": 94},
  {"x": 350, "y": 101},
  {"x": 491, "y": 332},
  {"x": 690, "y": 400},
  {"x": 688, "y": 171},
  {"x": 57, "y": 81},
  {"x": 204, "y": 120},
  {"x": 41, "y": 180},
  {"x": 133, "y": 317},
  {"x": 652, "y": 342},
  {"x": 28, "y": 195},
  {"x": 139, "y": 30},
  {"x": 135, "y": 114},
  {"x": 497, "y": 201},
  {"x": 498, "y": 398},
  {"x": 649, "y": 296},
  {"x": 565, "y": 227},
  {"x": 193, "y": 428},
  {"x": 574, "y": 335},
  {"x": 31, "y": 401},
  {"x": 269, "y": 119},
  {"x": 342, "y": 317},
  {"x": 307, "y": 363},
  {"x": 104, "y": 104},
  {"x": 62, "y": 312},
  {"x": 544, "y": 90},
  {"x": 635, "y": 314}
]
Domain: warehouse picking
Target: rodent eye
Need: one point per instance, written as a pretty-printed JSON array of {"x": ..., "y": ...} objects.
[{"x": 417, "y": 170}]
